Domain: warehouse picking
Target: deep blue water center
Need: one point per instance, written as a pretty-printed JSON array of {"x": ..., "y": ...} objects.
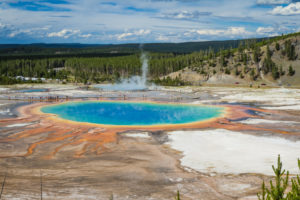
[{"x": 132, "y": 113}]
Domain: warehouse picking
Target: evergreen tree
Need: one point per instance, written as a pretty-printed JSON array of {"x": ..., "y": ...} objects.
[
  {"x": 252, "y": 74},
  {"x": 289, "y": 50},
  {"x": 277, "y": 46},
  {"x": 177, "y": 196},
  {"x": 256, "y": 54},
  {"x": 281, "y": 72},
  {"x": 294, "y": 194},
  {"x": 227, "y": 71},
  {"x": 291, "y": 71},
  {"x": 278, "y": 191},
  {"x": 269, "y": 52},
  {"x": 275, "y": 73}
]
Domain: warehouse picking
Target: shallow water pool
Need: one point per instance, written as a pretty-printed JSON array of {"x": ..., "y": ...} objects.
[{"x": 132, "y": 113}]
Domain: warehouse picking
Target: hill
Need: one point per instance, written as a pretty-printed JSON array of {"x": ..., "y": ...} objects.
[{"x": 274, "y": 62}]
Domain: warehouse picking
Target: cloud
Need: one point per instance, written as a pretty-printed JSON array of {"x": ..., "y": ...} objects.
[
  {"x": 291, "y": 9},
  {"x": 272, "y": 2},
  {"x": 186, "y": 15},
  {"x": 141, "y": 32},
  {"x": 30, "y": 31},
  {"x": 65, "y": 33},
  {"x": 15, "y": 33},
  {"x": 116, "y": 21},
  {"x": 231, "y": 31},
  {"x": 86, "y": 36},
  {"x": 267, "y": 31},
  {"x": 263, "y": 30},
  {"x": 162, "y": 38},
  {"x": 217, "y": 34},
  {"x": 124, "y": 35},
  {"x": 2, "y": 26}
]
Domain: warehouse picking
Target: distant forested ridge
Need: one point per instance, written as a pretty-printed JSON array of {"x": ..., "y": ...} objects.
[{"x": 64, "y": 49}]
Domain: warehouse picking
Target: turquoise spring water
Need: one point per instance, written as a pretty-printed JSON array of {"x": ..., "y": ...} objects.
[
  {"x": 32, "y": 90},
  {"x": 132, "y": 113}
]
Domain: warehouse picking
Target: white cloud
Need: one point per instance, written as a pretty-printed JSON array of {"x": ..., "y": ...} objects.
[
  {"x": 231, "y": 31},
  {"x": 264, "y": 30},
  {"x": 29, "y": 31},
  {"x": 140, "y": 32},
  {"x": 162, "y": 38},
  {"x": 15, "y": 33},
  {"x": 291, "y": 9},
  {"x": 267, "y": 31},
  {"x": 2, "y": 25},
  {"x": 86, "y": 35},
  {"x": 209, "y": 32},
  {"x": 124, "y": 35},
  {"x": 272, "y": 2},
  {"x": 65, "y": 33},
  {"x": 187, "y": 15}
]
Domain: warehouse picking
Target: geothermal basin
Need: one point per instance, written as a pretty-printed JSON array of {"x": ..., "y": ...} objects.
[{"x": 208, "y": 143}]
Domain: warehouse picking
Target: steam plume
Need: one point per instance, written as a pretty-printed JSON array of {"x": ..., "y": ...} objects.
[{"x": 133, "y": 83}]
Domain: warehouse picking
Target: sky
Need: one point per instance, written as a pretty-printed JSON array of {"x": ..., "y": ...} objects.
[{"x": 144, "y": 21}]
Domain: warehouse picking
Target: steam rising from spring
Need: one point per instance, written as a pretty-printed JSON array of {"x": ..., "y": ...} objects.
[
  {"x": 134, "y": 82},
  {"x": 144, "y": 60}
]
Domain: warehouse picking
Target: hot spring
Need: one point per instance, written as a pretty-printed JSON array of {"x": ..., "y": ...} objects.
[
  {"x": 132, "y": 113},
  {"x": 32, "y": 90}
]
